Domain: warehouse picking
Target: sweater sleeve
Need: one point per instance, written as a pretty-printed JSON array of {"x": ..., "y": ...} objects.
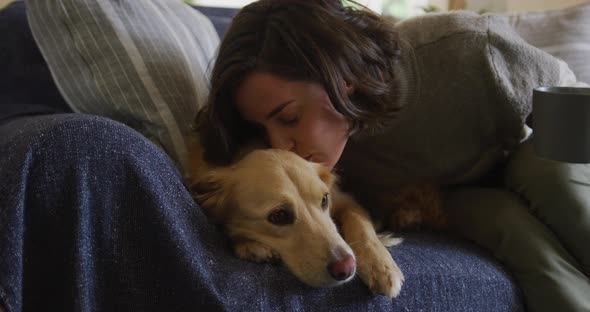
[{"x": 519, "y": 68}]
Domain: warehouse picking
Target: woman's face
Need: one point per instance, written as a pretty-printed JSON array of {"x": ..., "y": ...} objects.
[{"x": 297, "y": 116}]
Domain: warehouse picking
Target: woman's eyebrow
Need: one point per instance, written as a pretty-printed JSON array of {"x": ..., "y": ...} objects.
[{"x": 278, "y": 109}]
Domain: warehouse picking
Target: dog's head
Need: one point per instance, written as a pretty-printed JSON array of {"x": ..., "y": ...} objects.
[{"x": 282, "y": 202}]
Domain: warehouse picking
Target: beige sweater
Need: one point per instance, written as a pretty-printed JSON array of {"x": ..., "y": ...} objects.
[{"x": 467, "y": 83}]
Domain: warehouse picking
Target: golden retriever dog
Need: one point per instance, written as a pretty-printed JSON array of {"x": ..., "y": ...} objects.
[{"x": 274, "y": 205}]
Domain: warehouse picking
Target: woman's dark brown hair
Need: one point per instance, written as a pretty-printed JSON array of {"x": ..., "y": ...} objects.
[{"x": 318, "y": 41}]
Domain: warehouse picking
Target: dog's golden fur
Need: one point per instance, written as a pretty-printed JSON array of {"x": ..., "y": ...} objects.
[
  {"x": 245, "y": 196},
  {"x": 413, "y": 207}
]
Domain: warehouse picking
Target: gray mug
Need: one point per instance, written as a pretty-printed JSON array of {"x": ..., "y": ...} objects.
[{"x": 561, "y": 123}]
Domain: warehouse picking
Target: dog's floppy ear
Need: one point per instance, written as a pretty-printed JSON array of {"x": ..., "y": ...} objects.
[
  {"x": 325, "y": 174},
  {"x": 212, "y": 191}
]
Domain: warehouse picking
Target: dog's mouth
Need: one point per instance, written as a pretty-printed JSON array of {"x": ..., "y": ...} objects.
[{"x": 308, "y": 157}]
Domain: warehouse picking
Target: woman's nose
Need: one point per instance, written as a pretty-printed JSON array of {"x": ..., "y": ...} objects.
[{"x": 281, "y": 141}]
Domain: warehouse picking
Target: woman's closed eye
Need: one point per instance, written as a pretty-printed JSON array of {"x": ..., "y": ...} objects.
[
  {"x": 289, "y": 115},
  {"x": 288, "y": 120}
]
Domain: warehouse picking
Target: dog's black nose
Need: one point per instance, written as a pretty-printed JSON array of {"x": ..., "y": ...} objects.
[{"x": 342, "y": 268}]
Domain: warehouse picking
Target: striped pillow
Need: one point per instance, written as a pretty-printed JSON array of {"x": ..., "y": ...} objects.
[
  {"x": 141, "y": 62},
  {"x": 564, "y": 33}
]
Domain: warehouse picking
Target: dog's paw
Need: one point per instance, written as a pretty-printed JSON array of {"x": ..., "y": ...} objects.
[
  {"x": 378, "y": 271},
  {"x": 388, "y": 239},
  {"x": 255, "y": 251}
]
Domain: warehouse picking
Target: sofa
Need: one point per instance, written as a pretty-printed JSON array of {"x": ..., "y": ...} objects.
[{"x": 142, "y": 243}]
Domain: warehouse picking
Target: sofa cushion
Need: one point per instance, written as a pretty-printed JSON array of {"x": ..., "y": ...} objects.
[
  {"x": 143, "y": 63},
  {"x": 563, "y": 33},
  {"x": 26, "y": 86}
]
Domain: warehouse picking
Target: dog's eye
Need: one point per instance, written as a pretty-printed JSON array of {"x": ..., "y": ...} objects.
[
  {"x": 325, "y": 201},
  {"x": 281, "y": 216}
]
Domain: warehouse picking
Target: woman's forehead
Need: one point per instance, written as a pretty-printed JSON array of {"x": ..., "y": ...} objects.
[{"x": 261, "y": 93}]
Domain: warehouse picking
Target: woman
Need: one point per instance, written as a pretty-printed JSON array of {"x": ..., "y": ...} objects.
[{"x": 441, "y": 98}]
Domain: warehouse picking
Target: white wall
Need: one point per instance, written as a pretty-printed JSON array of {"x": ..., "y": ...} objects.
[{"x": 443, "y": 4}]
